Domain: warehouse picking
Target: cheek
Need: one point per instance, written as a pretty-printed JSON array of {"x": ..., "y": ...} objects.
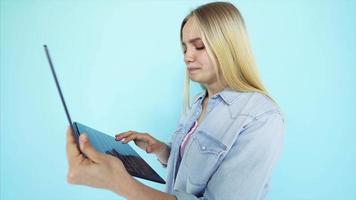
[
  {"x": 205, "y": 61},
  {"x": 207, "y": 65}
]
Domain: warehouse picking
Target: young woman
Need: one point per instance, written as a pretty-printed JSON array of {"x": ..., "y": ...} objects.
[{"x": 227, "y": 141}]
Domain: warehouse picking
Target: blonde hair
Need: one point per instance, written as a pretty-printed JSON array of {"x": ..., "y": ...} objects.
[{"x": 224, "y": 35}]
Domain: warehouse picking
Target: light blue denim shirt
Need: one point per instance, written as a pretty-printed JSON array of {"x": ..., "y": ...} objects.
[{"x": 232, "y": 152}]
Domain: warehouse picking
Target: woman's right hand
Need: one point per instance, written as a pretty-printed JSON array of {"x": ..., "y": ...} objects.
[{"x": 143, "y": 140}]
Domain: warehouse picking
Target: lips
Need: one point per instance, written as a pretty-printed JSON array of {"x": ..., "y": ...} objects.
[{"x": 193, "y": 68}]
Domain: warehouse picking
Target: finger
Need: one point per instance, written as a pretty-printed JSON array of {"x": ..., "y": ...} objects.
[
  {"x": 88, "y": 149},
  {"x": 71, "y": 147},
  {"x": 149, "y": 149},
  {"x": 120, "y": 136},
  {"x": 70, "y": 138},
  {"x": 134, "y": 136},
  {"x": 124, "y": 134}
]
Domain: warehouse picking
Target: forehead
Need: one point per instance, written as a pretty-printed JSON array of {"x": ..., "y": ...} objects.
[{"x": 190, "y": 30}]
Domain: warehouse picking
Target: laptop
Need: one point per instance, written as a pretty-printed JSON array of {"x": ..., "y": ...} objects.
[{"x": 107, "y": 144}]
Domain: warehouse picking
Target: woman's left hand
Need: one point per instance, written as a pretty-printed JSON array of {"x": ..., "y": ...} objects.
[{"x": 96, "y": 169}]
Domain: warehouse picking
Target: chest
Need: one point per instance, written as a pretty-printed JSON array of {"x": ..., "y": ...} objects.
[{"x": 205, "y": 149}]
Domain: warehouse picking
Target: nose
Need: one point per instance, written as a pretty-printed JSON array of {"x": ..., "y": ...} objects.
[{"x": 188, "y": 56}]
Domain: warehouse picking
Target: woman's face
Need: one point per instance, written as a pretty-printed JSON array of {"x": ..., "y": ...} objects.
[{"x": 199, "y": 66}]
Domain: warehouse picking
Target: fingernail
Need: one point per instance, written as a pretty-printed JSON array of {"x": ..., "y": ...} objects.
[{"x": 83, "y": 138}]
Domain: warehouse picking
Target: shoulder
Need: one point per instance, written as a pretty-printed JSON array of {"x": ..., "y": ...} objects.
[
  {"x": 254, "y": 105},
  {"x": 258, "y": 117}
]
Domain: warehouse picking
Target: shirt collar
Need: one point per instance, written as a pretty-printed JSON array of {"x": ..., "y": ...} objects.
[
  {"x": 200, "y": 96},
  {"x": 228, "y": 95}
]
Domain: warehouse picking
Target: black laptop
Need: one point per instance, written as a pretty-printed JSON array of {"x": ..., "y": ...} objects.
[{"x": 104, "y": 143}]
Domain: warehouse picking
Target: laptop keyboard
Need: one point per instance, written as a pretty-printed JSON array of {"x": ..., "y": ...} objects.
[
  {"x": 133, "y": 163},
  {"x": 130, "y": 162}
]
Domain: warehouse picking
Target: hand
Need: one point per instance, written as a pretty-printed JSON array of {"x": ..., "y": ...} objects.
[
  {"x": 95, "y": 169},
  {"x": 143, "y": 140}
]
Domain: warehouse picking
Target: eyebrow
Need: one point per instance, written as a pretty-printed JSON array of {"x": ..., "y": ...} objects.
[{"x": 192, "y": 40}]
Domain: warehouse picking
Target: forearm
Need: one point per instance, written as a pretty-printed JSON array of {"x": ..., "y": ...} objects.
[{"x": 134, "y": 190}]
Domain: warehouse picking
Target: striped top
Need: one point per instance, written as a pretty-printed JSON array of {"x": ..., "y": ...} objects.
[{"x": 187, "y": 136}]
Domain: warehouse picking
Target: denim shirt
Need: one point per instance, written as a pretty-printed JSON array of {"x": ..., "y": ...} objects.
[{"x": 232, "y": 152}]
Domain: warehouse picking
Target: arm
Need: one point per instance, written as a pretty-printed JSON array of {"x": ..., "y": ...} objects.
[
  {"x": 137, "y": 190},
  {"x": 147, "y": 143},
  {"x": 104, "y": 171}
]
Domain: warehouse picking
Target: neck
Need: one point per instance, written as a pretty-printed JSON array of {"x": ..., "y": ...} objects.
[{"x": 214, "y": 88}]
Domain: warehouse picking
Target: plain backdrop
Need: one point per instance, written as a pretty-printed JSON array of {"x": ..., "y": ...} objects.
[{"x": 121, "y": 68}]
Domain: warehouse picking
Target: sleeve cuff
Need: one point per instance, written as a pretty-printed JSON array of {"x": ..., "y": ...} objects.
[
  {"x": 163, "y": 165},
  {"x": 180, "y": 195}
]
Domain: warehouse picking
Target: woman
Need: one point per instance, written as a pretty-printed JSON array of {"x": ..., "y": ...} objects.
[{"x": 227, "y": 141}]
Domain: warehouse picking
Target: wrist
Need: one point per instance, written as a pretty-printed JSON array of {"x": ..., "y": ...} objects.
[
  {"x": 162, "y": 149},
  {"x": 137, "y": 190},
  {"x": 162, "y": 152},
  {"x": 125, "y": 188}
]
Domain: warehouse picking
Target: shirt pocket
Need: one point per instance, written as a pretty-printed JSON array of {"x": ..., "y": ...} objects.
[{"x": 202, "y": 157}]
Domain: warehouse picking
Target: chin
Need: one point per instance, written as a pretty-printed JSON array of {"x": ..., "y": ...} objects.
[{"x": 196, "y": 79}]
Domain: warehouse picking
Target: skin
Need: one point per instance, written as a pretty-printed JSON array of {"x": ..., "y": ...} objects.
[
  {"x": 200, "y": 67},
  {"x": 107, "y": 172}
]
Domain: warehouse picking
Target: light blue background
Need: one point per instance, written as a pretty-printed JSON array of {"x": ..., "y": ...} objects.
[{"x": 121, "y": 67}]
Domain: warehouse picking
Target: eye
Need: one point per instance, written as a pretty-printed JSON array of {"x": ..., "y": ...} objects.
[
  {"x": 184, "y": 49},
  {"x": 196, "y": 47},
  {"x": 200, "y": 48}
]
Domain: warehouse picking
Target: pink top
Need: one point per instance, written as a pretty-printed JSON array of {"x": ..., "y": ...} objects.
[{"x": 187, "y": 136}]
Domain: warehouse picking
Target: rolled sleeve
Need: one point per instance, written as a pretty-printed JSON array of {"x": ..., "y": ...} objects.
[{"x": 181, "y": 195}]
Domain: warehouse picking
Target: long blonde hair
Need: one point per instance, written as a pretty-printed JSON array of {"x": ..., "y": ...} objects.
[{"x": 224, "y": 35}]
